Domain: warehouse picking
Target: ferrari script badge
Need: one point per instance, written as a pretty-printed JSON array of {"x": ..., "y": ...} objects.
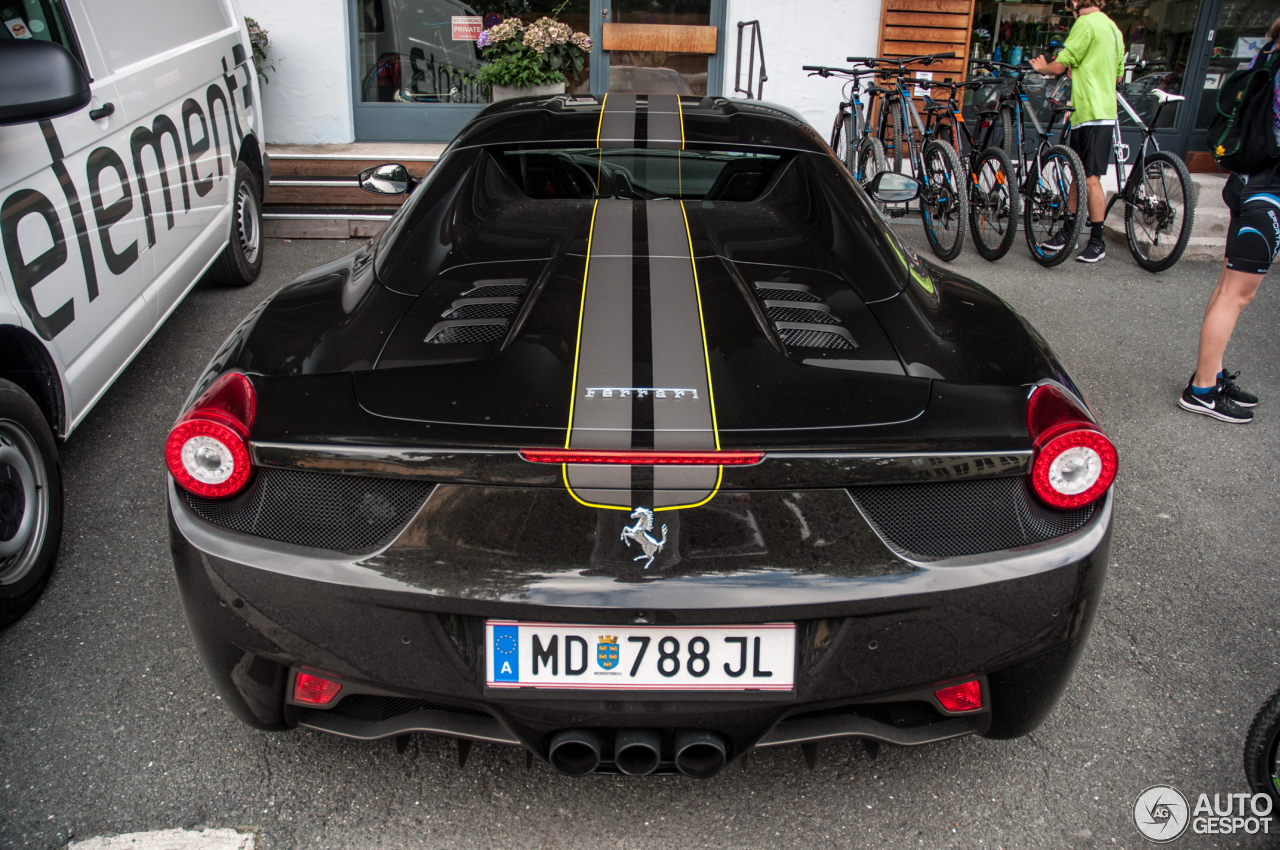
[{"x": 649, "y": 545}]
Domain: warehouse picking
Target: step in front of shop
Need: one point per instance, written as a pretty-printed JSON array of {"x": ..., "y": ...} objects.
[{"x": 314, "y": 192}]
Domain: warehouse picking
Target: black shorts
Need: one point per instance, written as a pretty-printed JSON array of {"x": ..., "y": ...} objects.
[
  {"x": 1093, "y": 143},
  {"x": 1254, "y": 233}
]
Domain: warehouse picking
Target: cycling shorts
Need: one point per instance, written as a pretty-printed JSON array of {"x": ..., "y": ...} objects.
[{"x": 1253, "y": 236}]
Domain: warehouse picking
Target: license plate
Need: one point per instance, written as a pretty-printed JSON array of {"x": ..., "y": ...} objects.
[{"x": 640, "y": 658}]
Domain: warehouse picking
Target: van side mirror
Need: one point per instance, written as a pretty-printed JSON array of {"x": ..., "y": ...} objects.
[
  {"x": 890, "y": 187},
  {"x": 390, "y": 179},
  {"x": 39, "y": 80}
]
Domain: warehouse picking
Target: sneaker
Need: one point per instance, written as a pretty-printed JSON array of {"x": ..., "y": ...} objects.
[
  {"x": 1094, "y": 251},
  {"x": 1228, "y": 387},
  {"x": 1214, "y": 403},
  {"x": 1057, "y": 241}
]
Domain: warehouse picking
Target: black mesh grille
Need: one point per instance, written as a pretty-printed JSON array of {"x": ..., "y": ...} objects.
[
  {"x": 785, "y": 295},
  {"x": 496, "y": 290},
  {"x": 467, "y": 334},
  {"x": 903, "y": 715},
  {"x": 950, "y": 518},
  {"x": 369, "y": 708},
  {"x": 481, "y": 311},
  {"x": 800, "y": 314},
  {"x": 798, "y": 338},
  {"x": 344, "y": 512}
]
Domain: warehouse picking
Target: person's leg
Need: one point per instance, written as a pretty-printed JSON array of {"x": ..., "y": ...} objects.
[
  {"x": 1233, "y": 293},
  {"x": 1097, "y": 198}
]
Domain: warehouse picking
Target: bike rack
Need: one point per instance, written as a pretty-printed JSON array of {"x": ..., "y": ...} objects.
[{"x": 754, "y": 40}]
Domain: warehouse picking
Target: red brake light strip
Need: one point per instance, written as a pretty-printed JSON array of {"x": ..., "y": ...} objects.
[{"x": 642, "y": 458}]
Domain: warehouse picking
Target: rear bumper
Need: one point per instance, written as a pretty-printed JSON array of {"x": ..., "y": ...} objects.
[{"x": 876, "y": 633}]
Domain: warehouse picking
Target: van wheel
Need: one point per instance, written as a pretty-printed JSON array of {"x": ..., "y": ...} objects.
[
  {"x": 241, "y": 261},
  {"x": 30, "y": 502}
]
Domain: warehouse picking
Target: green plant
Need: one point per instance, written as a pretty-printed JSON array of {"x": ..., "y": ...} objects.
[
  {"x": 261, "y": 44},
  {"x": 538, "y": 54}
]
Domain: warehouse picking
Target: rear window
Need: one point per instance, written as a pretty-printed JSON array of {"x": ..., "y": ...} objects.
[{"x": 689, "y": 175}]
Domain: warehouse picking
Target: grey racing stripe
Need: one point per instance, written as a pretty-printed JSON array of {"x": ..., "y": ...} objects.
[
  {"x": 680, "y": 424},
  {"x": 618, "y": 121},
  {"x": 604, "y": 356},
  {"x": 664, "y": 122}
]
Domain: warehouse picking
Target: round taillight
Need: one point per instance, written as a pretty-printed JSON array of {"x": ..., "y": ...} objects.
[
  {"x": 208, "y": 458},
  {"x": 208, "y": 449},
  {"x": 1074, "y": 468},
  {"x": 1075, "y": 462}
]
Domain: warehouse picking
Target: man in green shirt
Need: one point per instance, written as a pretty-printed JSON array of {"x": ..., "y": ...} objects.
[{"x": 1094, "y": 56}]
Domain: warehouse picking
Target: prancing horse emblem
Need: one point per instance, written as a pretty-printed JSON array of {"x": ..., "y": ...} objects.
[{"x": 640, "y": 533}]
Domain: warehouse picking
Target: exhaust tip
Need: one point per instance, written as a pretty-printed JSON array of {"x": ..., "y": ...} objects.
[
  {"x": 637, "y": 751},
  {"x": 575, "y": 752},
  {"x": 700, "y": 754}
]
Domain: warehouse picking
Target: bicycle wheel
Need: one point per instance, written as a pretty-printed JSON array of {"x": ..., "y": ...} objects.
[
  {"x": 893, "y": 124},
  {"x": 993, "y": 204},
  {"x": 1008, "y": 140},
  {"x": 1260, "y": 750},
  {"x": 842, "y": 139},
  {"x": 1159, "y": 219},
  {"x": 871, "y": 160},
  {"x": 944, "y": 201},
  {"x": 1048, "y": 200}
]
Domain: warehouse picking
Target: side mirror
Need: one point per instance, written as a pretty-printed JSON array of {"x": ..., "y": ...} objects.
[
  {"x": 39, "y": 80},
  {"x": 890, "y": 187},
  {"x": 390, "y": 179}
]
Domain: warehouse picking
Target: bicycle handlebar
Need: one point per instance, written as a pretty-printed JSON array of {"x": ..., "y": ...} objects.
[
  {"x": 824, "y": 71},
  {"x": 873, "y": 61}
]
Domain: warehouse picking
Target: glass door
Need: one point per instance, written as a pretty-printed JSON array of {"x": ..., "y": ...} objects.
[{"x": 663, "y": 46}]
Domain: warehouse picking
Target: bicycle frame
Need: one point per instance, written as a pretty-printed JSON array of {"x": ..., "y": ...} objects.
[{"x": 1129, "y": 193}]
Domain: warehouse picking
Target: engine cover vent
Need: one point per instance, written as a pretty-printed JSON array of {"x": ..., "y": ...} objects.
[
  {"x": 801, "y": 319},
  {"x": 480, "y": 315}
]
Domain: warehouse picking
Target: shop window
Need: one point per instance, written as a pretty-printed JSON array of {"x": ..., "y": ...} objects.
[
  {"x": 1158, "y": 31},
  {"x": 411, "y": 52},
  {"x": 1242, "y": 31}
]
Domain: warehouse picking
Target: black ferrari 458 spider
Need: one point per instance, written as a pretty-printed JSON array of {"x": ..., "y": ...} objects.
[{"x": 638, "y": 440}]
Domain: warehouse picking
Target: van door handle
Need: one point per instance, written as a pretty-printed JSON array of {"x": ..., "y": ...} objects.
[{"x": 102, "y": 111}]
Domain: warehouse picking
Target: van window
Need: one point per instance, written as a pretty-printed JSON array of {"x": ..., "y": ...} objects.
[
  {"x": 44, "y": 20},
  {"x": 129, "y": 31}
]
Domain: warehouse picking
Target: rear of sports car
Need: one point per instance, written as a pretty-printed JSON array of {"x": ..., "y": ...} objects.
[{"x": 639, "y": 457}]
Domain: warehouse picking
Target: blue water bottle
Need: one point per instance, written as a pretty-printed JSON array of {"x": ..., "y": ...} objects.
[
  {"x": 1015, "y": 56},
  {"x": 998, "y": 56}
]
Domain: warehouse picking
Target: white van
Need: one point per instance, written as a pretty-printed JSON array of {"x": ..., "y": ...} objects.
[{"x": 130, "y": 168}]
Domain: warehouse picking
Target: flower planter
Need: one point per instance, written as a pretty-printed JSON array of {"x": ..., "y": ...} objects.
[{"x": 508, "y": 92}]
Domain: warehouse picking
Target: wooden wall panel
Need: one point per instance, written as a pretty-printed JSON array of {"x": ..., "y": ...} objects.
[
  {"x": 659, "y": 37},
  {"x": 916, "y": 27}
]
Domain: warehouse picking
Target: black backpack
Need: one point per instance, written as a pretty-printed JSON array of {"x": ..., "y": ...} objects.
[{"x": 1240, "y": 133}]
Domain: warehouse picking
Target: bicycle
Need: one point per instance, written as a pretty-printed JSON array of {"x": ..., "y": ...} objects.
[
  {"x": 944, "y": 198},
  {"x": 1049, "y": 179},
  {"x": 993, "y": 204},
  {"x": 849, "y": 138},
  {"x": 1158, "y": 195}
]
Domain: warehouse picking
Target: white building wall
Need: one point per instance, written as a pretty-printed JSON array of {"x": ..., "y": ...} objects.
[
  {"x": 308, "y": 99},
  {"x": 803, "y": 32}
]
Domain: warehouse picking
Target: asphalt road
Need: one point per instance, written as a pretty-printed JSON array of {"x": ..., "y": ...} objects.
[{"x": 108, "y": 724}]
